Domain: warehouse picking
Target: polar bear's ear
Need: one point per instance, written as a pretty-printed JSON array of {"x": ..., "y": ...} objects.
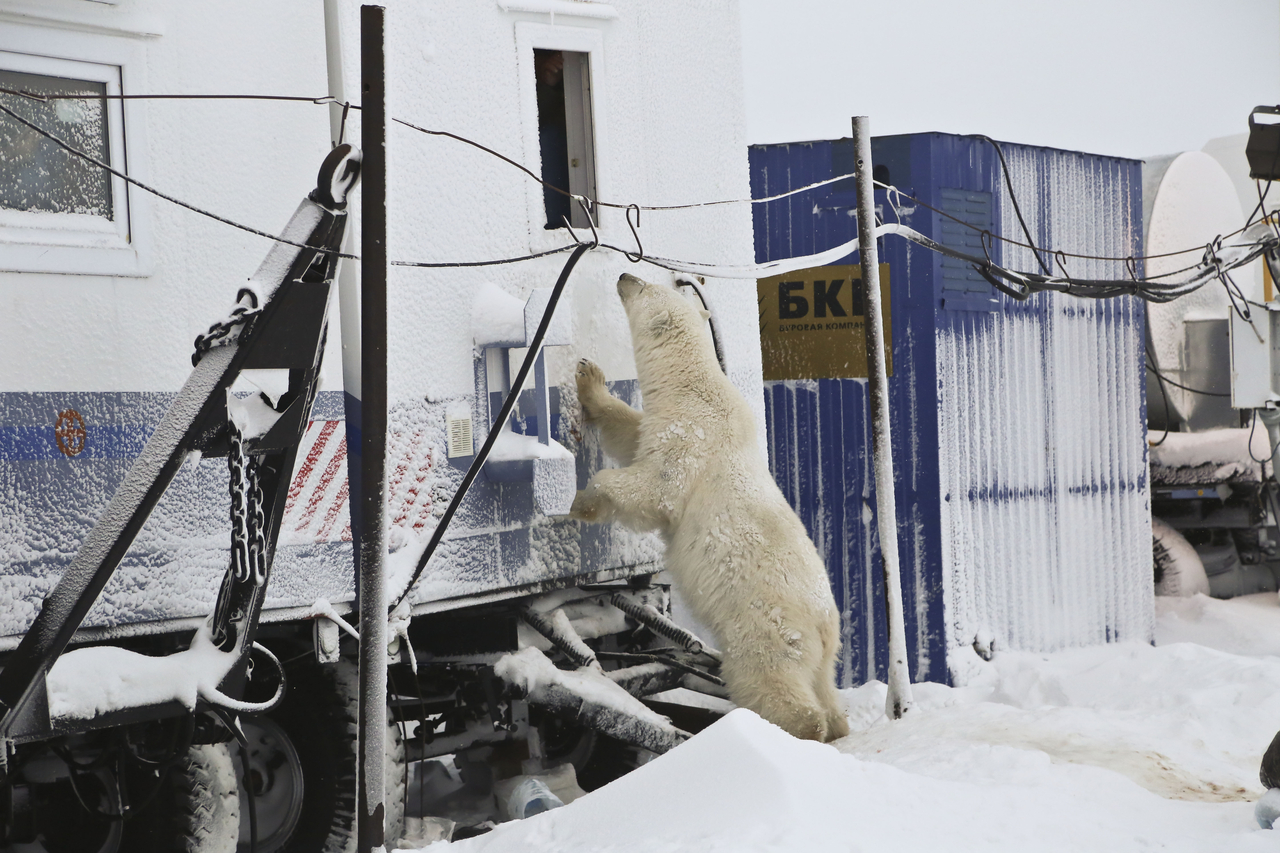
[
  {"x": 706, "y": 315},
  {"x": 660, "y": 323}
]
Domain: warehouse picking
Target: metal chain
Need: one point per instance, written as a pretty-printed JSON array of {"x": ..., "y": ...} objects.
[
  {"x": 240, "y": 487},
  {"x": 256, "y": 522},
  {"x": 248, "y": 538},
  {"x": 229, "y": 329}
]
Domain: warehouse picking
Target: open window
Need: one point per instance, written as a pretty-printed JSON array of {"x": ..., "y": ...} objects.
[{"x": 566, "y": 135}]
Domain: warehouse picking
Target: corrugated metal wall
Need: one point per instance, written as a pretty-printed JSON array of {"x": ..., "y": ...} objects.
[
  {"x": 1019, "y": 437},
  {"x": 1045, "y": 518}
]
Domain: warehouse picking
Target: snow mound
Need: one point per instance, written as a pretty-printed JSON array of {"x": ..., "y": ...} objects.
[
  {"x": 1245, "y": 625},
  {"x": 1183, "y": 721},
  {"x": 745, "y": 785},
  {"x": 1125, "y": 747}
]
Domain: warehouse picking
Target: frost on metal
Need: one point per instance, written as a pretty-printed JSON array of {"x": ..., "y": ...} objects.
[
  {"x": 1046, "y": 522},
  {"x": 588, "y": 694},
  {"x": 1216, "y": 456}
]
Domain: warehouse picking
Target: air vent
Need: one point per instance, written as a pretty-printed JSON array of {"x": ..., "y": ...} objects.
[{"x": 460, "y": 438}]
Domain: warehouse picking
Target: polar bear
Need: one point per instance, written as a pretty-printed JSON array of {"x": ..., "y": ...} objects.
[{"x": 738, "y": 553}]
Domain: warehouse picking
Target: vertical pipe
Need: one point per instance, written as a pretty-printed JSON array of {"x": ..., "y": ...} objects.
[
  {"x": 898, "y": 701},
  {"x": 348, "y": 271},
  {"x": 371, "y": 535}
]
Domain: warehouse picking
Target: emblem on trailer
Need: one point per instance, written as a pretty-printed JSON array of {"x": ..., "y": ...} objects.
[{"x": 69, "y": 432}]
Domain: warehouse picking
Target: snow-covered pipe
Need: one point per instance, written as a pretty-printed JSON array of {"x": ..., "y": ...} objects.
[{"x": 589, "y": 697}]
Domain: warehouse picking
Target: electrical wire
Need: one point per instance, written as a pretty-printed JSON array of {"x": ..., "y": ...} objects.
[
  {"x": 44, "y": 98},
  {"x": 1022, "y": 283},
  {"x": 1008, "y": 181},
  {"x": 1151, "y": 366},
  {"x": 140, "y": 185},
  {"x": 1164, "y": 395},
  {"x": 499, "y": 422},
  {"x": 1012, "y": 242},
  {"x": 1253, "y": 424},
  {"x": 455, "y": 264},
  {"x": 615, "y": 205}
]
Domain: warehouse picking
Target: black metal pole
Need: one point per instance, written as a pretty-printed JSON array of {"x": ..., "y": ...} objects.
[{"x": 370, "y": 591}]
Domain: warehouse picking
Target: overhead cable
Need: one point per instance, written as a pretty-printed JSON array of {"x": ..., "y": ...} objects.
[
  {"x": 140, "y": 185},
  {"x": 1018, "y": 285}
]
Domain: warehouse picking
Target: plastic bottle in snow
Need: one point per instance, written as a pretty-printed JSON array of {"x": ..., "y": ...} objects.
[
  {"x": 531, "y": 797},
  {"x": 1267, "y": 809}
]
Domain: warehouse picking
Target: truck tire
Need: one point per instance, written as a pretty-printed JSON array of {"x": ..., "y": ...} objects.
[
  {"x": 197, "y": 810},
  {"x": 1178, "y": 570},
  {"x": 302, "y": 758}
]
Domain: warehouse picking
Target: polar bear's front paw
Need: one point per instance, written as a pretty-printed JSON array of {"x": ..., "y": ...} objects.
[
  {"x": 592, "y": 391},
  {"x": 586, "y": 505}
]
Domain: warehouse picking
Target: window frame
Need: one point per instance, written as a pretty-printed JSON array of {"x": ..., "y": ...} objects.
[
  {"x": 74, "y": 243},
  {"x": 583, "y": 40}
]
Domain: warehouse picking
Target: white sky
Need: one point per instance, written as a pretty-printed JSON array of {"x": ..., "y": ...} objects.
[{"x": 1123, "y": 77}]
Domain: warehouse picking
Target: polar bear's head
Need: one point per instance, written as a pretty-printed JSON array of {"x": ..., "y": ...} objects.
[
  {"x": 665, "y": 325},
  {"x": 657, "y": 312}
]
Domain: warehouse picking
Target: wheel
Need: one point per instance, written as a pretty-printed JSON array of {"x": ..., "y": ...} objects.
[
  {"x": 302, "y": 766},
  {"x": 192, "y": 808},
  {"x": 197, "y": 810},
  {"x": 1177, "y": 568}
]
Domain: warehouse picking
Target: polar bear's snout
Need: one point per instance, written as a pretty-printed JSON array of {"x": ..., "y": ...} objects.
[{"x": 629, "y": 285}]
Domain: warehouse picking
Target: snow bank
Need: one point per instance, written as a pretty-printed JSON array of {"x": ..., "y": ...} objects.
[
  {"x": 743, "y": 784},
  {"x": 1245, "y": 625},
  {"x": 1183, "y": 721},
  {"x": 1124, "y": 747}
]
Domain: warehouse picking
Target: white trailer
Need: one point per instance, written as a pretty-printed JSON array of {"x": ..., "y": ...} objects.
[{"x": 106, "y": 286}]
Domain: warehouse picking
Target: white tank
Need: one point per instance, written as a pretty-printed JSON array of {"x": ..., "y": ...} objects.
[{"x": 1194, "y": 201}]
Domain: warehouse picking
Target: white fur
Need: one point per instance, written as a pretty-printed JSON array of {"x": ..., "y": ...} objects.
[{"x": 738, "y": 553}]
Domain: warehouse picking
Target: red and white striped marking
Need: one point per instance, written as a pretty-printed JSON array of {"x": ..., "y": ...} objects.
[{"x": 317, "y": 509}]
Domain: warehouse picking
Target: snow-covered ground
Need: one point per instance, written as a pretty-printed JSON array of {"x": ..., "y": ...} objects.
[{"x": 1118, "y": 748}]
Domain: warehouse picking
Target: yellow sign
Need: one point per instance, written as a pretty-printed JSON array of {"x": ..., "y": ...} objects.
[{"x": 811, "y": 323}]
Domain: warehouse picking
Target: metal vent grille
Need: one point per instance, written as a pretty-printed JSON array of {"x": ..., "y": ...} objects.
[
  {"x": 460, "y": 443},
  {"x": 960, "y": 284}
]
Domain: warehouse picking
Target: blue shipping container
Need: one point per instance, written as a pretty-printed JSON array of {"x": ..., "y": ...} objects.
[{"x": 1018, "y": 427}]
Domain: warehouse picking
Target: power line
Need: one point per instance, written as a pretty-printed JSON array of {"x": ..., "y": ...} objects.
[
  {"x": 140, "y": 185},
  {"x": 496, "y": 262},
  {"x": 40, "y": 96},
  {"x": 616, "y": 206},
  {"x": 1024, "y": 283},
  {"x": 331, "y": 100}
]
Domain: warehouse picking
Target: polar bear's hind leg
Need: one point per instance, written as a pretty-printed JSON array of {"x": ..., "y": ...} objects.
[{"x": 780, "y": 694}]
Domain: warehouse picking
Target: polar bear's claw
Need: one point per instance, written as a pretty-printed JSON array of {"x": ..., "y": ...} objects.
[{"x": 592, "y": 389}]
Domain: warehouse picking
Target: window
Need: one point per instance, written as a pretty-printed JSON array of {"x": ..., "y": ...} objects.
[
  {"x": 38, "y": 175},
  {"x": 566, "y": 137},
  {"x": 58, "y": 212}
]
